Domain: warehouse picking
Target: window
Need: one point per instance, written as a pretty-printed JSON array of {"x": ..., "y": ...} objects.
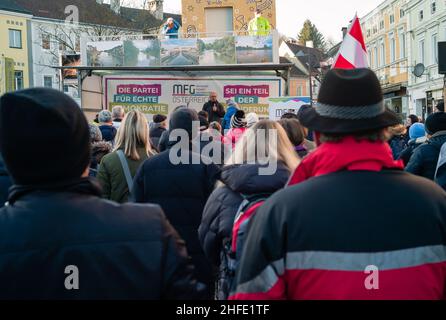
[
  {"x": 392, "y": 19},
  {"x": 299, "y": 91},
  {"x": 48, "y": 81},
  {"x": 382, "y": 53},
  {"x": 375, "y": 56},
  {"x": 433, "y": 7},
  {"x": 219, "y": 20},
  {"x": 65, "y": 88},
  {"x": 421, "y": 51},
  {"x": 434, "y": 43},
  {"x": 402, "y": 13},
  {"x": 402, "y": 38},
  {"x": 392, "y": 48},
  {"x": 15, "y": 38},
  {"x": 381, "y": 25},
  {"x": 62, "y": 43},
  {"x": 78, "y": 44},
  {"x": 46, "y": 41},
  {"x": 421, "y": 15},
  {"x": 18, "y": 80}
]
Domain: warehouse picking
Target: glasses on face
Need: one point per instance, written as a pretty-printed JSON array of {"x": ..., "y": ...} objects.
[{"x": 214, "y": 97}]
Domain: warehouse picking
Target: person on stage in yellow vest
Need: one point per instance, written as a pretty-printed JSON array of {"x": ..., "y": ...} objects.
[{"x": 259, "y": 26}]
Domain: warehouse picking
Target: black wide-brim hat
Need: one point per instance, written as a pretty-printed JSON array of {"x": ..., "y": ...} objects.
[{"x": 349, "y": 101}]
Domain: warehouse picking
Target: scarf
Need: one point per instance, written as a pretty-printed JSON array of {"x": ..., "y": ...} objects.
[{"x": 348, "y": 154}]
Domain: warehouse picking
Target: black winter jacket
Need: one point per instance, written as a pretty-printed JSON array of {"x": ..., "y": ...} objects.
[
  {"x": 5, "y": 183},
  {"x": 220, "y": 210},
  {"x": 108, "y": 133},
  {"x": 214, "y": 116},
  {"x": 425, "y": 158},
  {"x": 182, "y": 191},
  {"x": 120, "y": 251},
  {"x": 407, "y": 153}
]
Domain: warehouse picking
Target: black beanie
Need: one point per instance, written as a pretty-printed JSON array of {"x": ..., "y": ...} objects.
[
  {"x": 44, "y": 136},
  {"x": 183, "y": 119},
  {"x": 436, "y": 122}
]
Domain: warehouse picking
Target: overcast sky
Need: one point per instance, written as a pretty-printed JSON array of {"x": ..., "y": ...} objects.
[{"x": 328, "y": 15}]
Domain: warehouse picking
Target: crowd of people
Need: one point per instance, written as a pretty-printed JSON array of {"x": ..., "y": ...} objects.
[{"x": 352, "y": 188}]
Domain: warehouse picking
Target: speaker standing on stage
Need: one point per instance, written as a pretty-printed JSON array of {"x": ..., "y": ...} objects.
[{"x": 214, "y": 108}]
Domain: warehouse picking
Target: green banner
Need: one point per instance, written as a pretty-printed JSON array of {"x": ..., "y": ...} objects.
[{"x": 9, "y": 75}]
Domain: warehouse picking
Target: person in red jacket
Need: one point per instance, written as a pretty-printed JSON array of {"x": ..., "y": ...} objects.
[{"x": 347, "y": 228}]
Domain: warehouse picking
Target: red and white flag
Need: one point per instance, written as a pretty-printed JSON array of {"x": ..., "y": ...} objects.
[{"x": 353, "y": 52}]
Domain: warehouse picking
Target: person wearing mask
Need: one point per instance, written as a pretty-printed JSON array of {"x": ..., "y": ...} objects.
[
  {"x": 232, "y": 108},
  {"x": 425, "y": 158},
  {"x": 118, "y": 115},
  {"x": 347, "y": 217},
  {"x": 5, "y": 183},
  {"x": 239, "y": 180},
  {"x": 238, "y": 128},
  {"x": 171, "y": 29},
  {"x": 59, "y": 240},
  {"x": 132, "y": 148},
  {"x": 108, "y": 131},
  {"x": 157, "y": 128},
  {"x": 295, "y": 133},
  {"x": 180, "y": 181},
  {"x": 215, "y": 109},
  {"x": 259, "y": 25},
  {"x": 417, "y": 135}
]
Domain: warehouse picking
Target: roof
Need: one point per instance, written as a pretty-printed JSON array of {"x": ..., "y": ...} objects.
[
  {"x": 295, "y": 71},
  {"x": 91, "y": 12},
  {"x": 316, "y": 54},
  {"x": 334, "y": 51},
  {"x": 10, "y": 5}
]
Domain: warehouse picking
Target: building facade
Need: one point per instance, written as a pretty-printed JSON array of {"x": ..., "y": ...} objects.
[
  {"x": 385, "y": 34},
  {"x": 427, "y": 26},
  {"x": 52, "y": 38},
  {"x": 14, "y": 50},
  {"x": 217, "y": 16}
]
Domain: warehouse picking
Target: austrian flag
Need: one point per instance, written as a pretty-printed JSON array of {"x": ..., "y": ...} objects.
[{"x": 353, "y": 52}]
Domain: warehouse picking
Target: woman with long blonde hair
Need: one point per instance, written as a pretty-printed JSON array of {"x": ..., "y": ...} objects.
[
  {"x": 260, "y": 165},
  {"x": 132, "y": 148}
]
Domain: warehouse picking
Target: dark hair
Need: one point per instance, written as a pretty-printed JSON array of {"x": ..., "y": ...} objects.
[
  {"x": 289, "y": 115},
  {"x": 294, "y": 131},
  {"x": 215, "y": 126},
  {"x": 373, "y": 136},
  {"x": 440, "y": 106},
  {"x": 204, "y": 114},
  {"x": 414, "y": 119}
]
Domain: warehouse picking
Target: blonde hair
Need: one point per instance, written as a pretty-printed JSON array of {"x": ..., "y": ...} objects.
[
  {"x": 265, "y": 142},
  {"x": 132, "y": 135}
]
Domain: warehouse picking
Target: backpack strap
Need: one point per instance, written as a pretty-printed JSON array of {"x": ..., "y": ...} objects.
[
  {"x": 126, "y": 169},
  {"x": 246, "y": 210}
]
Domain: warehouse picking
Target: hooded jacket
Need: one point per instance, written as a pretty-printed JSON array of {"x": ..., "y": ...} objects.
[
  {"x": 407, "y": 153},
  {"x": 231, "y": 110},
  {"x": 120, "y": 251},
  {"x": 222, "y": 205},
  {"x": 219, "y": 214},
  {"x": 425, "y": 158},
  {"x": 182, "y": 191}
]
